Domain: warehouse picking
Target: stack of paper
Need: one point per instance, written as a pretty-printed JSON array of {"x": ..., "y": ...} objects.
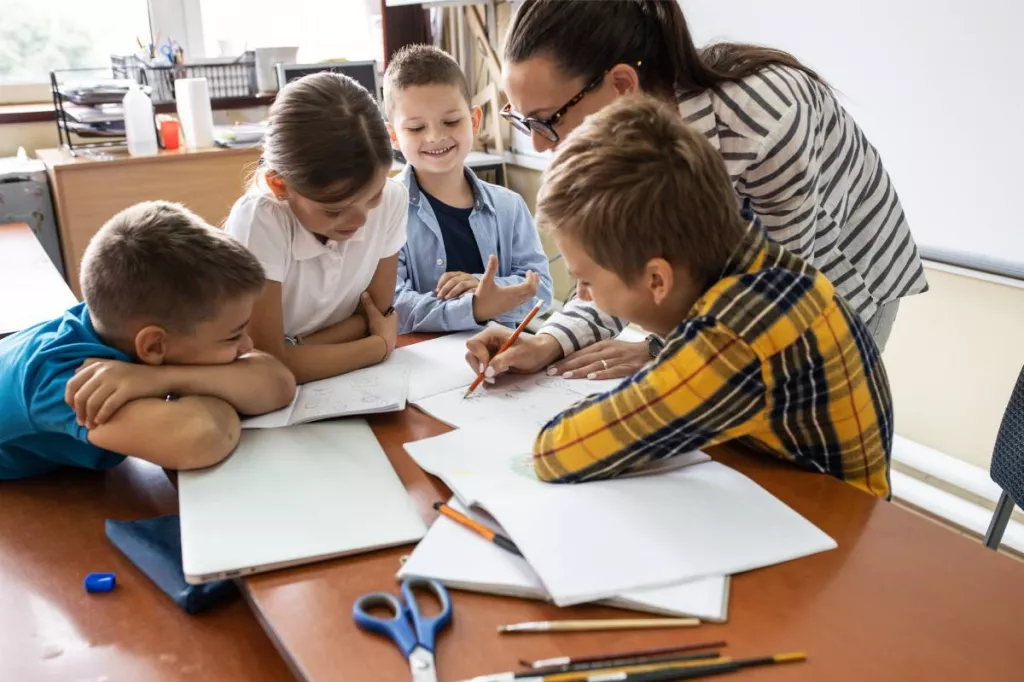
[
  {"x": 463, "y": 560},
  {"x": 601, "y": 539}
]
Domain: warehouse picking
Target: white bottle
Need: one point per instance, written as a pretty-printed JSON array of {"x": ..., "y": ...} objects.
[{"x": 138, "y": 122}]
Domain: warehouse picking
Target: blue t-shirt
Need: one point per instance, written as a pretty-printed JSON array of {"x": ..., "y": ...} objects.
[
  {"x": 38, "y": 431},
  {"x": 461, "y": 250}
]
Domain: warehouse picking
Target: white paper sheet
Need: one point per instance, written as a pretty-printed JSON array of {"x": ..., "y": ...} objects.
[
  {"x": 435, "y": 366},
  {"x": 632, "y": 533},
  {"x": 381, "y": 388},
  {"x": 463, "y": 560}
]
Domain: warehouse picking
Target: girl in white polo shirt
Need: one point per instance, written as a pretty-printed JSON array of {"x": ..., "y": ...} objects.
[{"x": 327, "y": 223}]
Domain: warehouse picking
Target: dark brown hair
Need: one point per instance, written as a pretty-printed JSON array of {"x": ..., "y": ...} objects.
[
  {"x": 326, "y": 138},
  {"x": 159, "y": 263},
  {"x": 421, "y": 65},
  {"x": 585, "y": 37},
  {"x": 633, "y": 182}
]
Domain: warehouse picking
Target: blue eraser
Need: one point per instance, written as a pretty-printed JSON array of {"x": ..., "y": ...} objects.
[{"x": 100, "y": 582}]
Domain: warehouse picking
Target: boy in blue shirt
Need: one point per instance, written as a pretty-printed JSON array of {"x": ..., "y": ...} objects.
[
  {"x": 472, "y": 253},
  {"x": 156, "y": 363}
]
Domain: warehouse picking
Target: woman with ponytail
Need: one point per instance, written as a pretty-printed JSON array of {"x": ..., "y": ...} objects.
[{"x": 797, "y": 159}]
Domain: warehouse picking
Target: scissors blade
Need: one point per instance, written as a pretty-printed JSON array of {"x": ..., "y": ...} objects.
[{"x": 421, "y": 663}]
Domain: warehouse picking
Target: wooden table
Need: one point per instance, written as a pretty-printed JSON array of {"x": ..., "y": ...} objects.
[
  {"x": 900, "y": 599},
  {"x": 51, "y": 536},
  {"x": 88, "y": 191},
  {"x": 31, "y": 289}
]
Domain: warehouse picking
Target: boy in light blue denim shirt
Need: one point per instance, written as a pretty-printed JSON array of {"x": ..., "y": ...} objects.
[{"x": 472, "y": 253}]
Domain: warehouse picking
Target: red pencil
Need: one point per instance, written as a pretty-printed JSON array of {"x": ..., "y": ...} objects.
[{"x": 505, "y": 346}]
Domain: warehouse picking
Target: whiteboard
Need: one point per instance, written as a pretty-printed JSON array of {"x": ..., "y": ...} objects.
[{"x": 937, "y": 87}]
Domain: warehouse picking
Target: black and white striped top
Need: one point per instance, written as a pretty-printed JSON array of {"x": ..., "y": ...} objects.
[{"x": 813, "y": 179}]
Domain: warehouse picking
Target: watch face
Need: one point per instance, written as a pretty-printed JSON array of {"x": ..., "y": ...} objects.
[{"x": 654, "y": 345}]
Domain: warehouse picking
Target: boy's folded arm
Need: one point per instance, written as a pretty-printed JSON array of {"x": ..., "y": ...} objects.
[
  {"x": 695, "y": 395},
  {"x": 527, "y": 256},
  {"x": 189, "y": 433},
  {"x": 256, "y": 383}
]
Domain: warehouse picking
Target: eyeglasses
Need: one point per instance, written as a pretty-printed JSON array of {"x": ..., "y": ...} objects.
[{"x": 546, "y": 126}]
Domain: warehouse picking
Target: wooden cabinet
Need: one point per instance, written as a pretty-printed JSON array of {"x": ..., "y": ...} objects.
[{"x": 87, "y": 192}]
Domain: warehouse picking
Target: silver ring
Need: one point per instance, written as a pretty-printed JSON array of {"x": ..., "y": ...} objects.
[{"x": 604, "y": 363}]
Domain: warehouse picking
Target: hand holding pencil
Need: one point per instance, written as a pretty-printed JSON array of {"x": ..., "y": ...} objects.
[{"x": 497, "y": 350}]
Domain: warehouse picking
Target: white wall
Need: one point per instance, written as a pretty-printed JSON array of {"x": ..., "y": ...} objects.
[{"x": 936, "y": 87}]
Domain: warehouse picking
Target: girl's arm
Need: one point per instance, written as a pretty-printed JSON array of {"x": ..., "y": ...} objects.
[
  {"x": 310, "y": 362},
  {"x": 351, "y": 329}
]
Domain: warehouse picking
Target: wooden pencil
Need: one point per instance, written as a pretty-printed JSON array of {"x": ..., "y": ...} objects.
[
  {"x": 505, "y": 346},
  {"x": 567, "y": 660}
]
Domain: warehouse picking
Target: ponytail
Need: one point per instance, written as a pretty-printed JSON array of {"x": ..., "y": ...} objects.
[{"x": 583, "y": 37}]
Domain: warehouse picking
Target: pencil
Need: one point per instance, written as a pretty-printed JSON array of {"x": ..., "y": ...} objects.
[
  {"x": 590, "y": 625},
  {"x": 566, "y": 660},
  {"x": 505, "y": 346},
  {"x": 478, "y": 528},
  {"x": 542, "y": 674},
  {"x": 594, "y": 673},
  {"x": 622, "y": 662},
  {"x": 691, "y": 672}
]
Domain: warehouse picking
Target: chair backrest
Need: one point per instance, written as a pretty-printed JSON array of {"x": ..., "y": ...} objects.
[{"x": 1008, "y": 455}]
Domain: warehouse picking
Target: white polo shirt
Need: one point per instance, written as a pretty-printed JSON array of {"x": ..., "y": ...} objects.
[{"x": 320, "y": 283}]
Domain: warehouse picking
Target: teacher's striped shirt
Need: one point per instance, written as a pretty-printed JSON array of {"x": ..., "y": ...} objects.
[
  {"x": 770, "y": 357},
  {"x": 813, "y": 179}
]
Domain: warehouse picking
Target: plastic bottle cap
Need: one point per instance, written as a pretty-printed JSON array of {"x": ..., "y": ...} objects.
[{"x": 100, "y": 582}]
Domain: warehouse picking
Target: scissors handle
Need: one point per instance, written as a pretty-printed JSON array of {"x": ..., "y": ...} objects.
[
  {"x": 427, "y": 628},
  {"x": 396, "y": 628}
]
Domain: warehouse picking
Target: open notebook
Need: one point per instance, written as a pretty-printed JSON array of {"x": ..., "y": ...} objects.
[
  {"x": 382, "y": 388},
  {"x": 462, "y": 560}
]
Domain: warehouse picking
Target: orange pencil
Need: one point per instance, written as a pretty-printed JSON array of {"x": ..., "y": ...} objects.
[
  {"x": 505, "y": 346},
  {"x": 479, "y": 528}
]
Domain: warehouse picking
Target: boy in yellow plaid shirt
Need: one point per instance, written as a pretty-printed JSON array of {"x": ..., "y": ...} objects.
[{"x": 759, "y": 348}]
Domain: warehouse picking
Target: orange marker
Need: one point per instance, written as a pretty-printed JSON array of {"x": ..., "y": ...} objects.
[
  {"x": 478, "y": 528},
  {"x": 505, "y": 346}
]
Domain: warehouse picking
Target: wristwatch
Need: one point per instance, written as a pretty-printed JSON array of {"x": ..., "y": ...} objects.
[{"x": 654, "y": 345}]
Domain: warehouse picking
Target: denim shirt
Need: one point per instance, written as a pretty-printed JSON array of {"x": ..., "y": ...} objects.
[{"x": 501, "y": 224}]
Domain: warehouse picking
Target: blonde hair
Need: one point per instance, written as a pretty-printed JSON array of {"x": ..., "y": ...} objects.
[
  {"x": 634, "y": 182},
  {"x": 326, "y": 137},
  {"x": 421, "y": 65},
  {"x": 158, "y": 263}
]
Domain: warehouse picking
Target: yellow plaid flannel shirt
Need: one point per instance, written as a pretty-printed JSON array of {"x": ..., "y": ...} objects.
[{"x": 770, "y": 356}]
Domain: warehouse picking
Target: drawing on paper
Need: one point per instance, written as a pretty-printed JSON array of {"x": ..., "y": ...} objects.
[{"x": 523, "y": 465}]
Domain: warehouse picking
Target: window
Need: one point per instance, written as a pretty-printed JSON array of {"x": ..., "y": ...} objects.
[
  {"x": 38, "y": 36},
  {"x": 321, "y": 29}
]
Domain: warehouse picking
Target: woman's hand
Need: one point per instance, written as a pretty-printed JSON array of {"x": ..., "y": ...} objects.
[{"x": 604, "y": 360}]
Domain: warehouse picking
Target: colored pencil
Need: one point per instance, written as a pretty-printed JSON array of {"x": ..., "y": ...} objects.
[
  {"x": 621, "y": 662},
  {"x": 599, "y": 624},
  {"x": 478, "y": 528},
  {"x": 566, "y": 660},
  {"x": 505, "y": 346},
  {"x": 694, "y": 672}
]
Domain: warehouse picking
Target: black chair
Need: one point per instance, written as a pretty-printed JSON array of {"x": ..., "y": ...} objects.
[{"x": 1008, "y": 465}]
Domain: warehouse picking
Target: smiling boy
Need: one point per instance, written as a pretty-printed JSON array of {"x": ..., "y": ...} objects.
[{"x": 472, "y": 253}]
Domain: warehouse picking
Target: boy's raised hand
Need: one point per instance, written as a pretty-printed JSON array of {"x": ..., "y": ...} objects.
[
  {"x": 378, "y": 324},
  {"x": 99, "y": 388},
  {"x": 491, "y": 300}
]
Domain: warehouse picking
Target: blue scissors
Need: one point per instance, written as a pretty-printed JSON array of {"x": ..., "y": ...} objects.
[{"x": 408, "y": 628}]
